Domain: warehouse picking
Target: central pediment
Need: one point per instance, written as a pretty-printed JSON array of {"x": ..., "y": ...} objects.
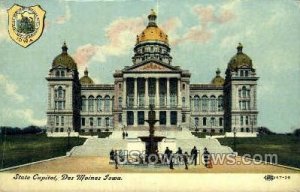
[{"x": 151, "y": 66}]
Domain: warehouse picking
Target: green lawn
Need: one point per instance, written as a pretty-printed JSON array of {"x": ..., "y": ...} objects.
[
  {"x": 287, "y": 147},
  {"x": 21, "y": 149}
]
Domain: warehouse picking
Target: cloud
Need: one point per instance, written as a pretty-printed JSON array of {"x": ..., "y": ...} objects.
[
  {"x": 64, "y": 18},
  {"x": 120, "y": 36},
  {"x": 20, "y": 117},
  {"x": 27, "y": 115},
  {"x": 3, "y": 25},
  {"x": 207, "y": 15},
  {"x": 10, "y": 89}
]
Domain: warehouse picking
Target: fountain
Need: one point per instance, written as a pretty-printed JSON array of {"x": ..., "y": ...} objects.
[{"x": 151, "y": 141}]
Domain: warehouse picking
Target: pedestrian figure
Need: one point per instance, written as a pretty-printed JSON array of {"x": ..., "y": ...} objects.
[
  {"x": 166, "y": 154},
  {"x": 194, "y": 154},
  {"x": 185, "y": 159},
  {"x": 123, "y": 135},
  {"x": 207, "y": 159},
  {"x": 111, "y": 155},
  {"x": 116, "y": 159},
  {"x": 179, "y": 153},
  {"x": 170, "y": 156},
  {"x": 126, "y": 134}
]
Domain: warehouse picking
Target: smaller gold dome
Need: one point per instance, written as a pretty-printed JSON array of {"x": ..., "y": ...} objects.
[
  {"x": 218, "y": 80},
  {"x": 64, "y": 59},
  {"x": 86, "y": 80},
  {"x": 240, "y": 60},
  {"x": 152, "y": 31}
]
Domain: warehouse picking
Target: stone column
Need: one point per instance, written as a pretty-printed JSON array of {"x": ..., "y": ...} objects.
[
  {"x": 124, "y": 118},
  {"x": 146, "y": 118},
  {"x": 146, "y": 93},
  {"x": 168, "y": 92},
  {"x": 168, "y": 118},
  {"x": 124, "y": 93},
  {"x": 135, "y": 119},
  {"x": 157, "y": 93},
  {"x": 179, "y": 100},
  {"x": 135, "y": 93}
]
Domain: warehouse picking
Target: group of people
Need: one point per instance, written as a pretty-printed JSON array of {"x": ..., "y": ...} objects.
[
  {"x": 185, "y": 157},
  {"x": 169, "y": 157}
]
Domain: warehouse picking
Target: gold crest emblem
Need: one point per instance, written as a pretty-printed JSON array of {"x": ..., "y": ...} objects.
[{"x": 25, "y": 24}]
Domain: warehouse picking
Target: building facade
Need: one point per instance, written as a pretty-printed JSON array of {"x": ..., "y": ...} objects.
[{"x": 222, "y": 105}]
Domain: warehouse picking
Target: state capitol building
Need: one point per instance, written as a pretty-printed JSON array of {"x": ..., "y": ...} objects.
[{"x": 80, "y": 105}]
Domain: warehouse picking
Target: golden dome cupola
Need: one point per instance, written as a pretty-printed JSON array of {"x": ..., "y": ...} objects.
[
  {"x": 86, "y": 80},
  {"x": 240, "y": 60},
  {"x": 152, "y": 31},
  {"x": 152, "y": 43},
  {"x": 218, "y": 80},
  {"x": 64, "y": 59}
]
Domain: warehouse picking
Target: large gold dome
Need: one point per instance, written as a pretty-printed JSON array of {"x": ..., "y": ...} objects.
[
  {"x": 64, "y": 59},
  {"x": 152, "y": 31},
  {"x": 239, "y": 60}
]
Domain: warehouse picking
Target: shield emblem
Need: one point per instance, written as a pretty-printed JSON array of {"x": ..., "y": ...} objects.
[{"x": 25, "y": 24}]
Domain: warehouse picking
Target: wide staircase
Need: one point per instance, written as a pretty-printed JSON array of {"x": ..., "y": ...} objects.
[{"x": 102, "y": 146}]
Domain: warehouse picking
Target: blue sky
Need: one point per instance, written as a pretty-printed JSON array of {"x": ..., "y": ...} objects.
[{"x": 203, "y": 34}]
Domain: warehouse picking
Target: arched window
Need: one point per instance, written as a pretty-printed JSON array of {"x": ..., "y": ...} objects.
[
  {"x": 62, "y": 73},
  {"x": 106, "y": 103},
  {"x": 120, "y": 102},
  {"x": 196, "y": 103},
  {"x": 107, "y": 121},
  {"x": 204, "y": 121},
  {"x": 183, "y": 118},
  {"x": 61, "y": 129},
  {"x": 99, "y": 121},
  {"x": 204, "y": 103},
  {"x": 91, "y": 103},
  {"x": 244, "y": 91},
  {"x": 213, "y": 105},
  {"x": 99, "y": 103},
  {"x": 60, "y": 92},
  {"x": 57, "y": 74},
  {"x": 247, "y": 130},
  {"x": 83, "y": 103},
  {"x": 183, "y": 101},
  {"x": 91, "y": 121},
  {"x": 196, "y": 122},
  {"x": 220, "y": 103},
  {"x": 212, "y": 121},
  {"x": 242, "y": 129}
]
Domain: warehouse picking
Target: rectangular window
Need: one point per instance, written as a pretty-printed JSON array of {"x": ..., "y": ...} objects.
[
  {"x": 173, "y": 117},
  {"x": 57, "y": 120},
  {"x": 162, "y": 117},
  {"x": 62, "y": 121},
  {"x": 242, "y": 121},
  {"x": 120, "y": 118},
  {"x": 83, "y": 121},
  {"x": 130, "y": 118},
  {"x": 141, "y": 118},
  {"x": 183, "y": 118},
  {"x": 247, "y": 120},
  {"x": 99, "y": 121}
]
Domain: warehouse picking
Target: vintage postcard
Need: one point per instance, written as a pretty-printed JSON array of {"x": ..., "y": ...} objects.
[{"x": 149, "y": 95}]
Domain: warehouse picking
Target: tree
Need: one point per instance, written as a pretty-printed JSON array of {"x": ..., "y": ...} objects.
[
  {"x": 297, "y": 132},
  {"x": 265, "y": 131}
]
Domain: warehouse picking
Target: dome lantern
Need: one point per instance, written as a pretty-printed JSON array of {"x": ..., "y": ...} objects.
[
  {"x": 64, "y": 48},
  {"x": 152, "y": 18}
]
